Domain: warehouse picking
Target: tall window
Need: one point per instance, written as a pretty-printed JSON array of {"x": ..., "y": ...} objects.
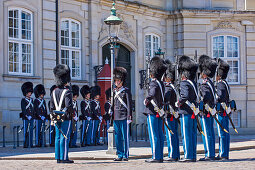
[
  {"x": 20, "y": 41},
  {"x": 227, "y": 48},
  {"x": 152, "y": 44},
  {"x": 71, "y": 46}
]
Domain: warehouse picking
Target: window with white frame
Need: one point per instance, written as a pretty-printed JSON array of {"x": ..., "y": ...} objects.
[
  {"x": 152, "y": 44},
  {"x": 71, "y": 46},
  {"x": 20, "y": 41},
  {"x": 227, "y": 47}
]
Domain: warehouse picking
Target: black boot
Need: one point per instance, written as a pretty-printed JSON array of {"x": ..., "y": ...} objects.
[
  {"x": 153, "y": 161},
  {"x": 118, "y": 159}
]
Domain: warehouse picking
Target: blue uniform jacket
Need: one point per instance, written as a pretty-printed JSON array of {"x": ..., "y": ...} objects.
[
  {"x": 222, "y": 93},
  {"x": 95, "y": 111},
  {"x": 85, "y": 112},
  {"x": 155, "y": 95},
  {"x": 67, "y": 103},
  {"x": 27, "y": 111},
  {"x": 206, "y": 92},
  {"x": 187, "y": 93},
  {"x": 40, "y": 110},
  {"x": 170, "y": 98},
  {"x": 120, "y": 112}
]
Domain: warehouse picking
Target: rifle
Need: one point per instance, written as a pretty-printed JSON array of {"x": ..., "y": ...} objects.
[
  {"x": 161, "y": 114},
  {"x": 212, "y": 113},
  {"x": 27, "y": 135},
  {"x": 85, "y": 133},
  {"x": 41, "y": 135},
  {"x": 60, "y": 131},
  {"x": 227, "y": 109},
  {"x": 98, "y": 130}
]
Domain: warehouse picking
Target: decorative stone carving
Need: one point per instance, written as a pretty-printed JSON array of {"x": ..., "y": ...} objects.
[
  {"x": 124, "y": 28},
  {"x": 224, "y": 25}
]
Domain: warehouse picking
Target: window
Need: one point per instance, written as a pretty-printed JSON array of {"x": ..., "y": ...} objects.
[
  {"x": 71, "y": 46},
  {"x": 152, "y": 44},
  {"x": 227, "y": 48},
  {"x": 20, "y": 41}
]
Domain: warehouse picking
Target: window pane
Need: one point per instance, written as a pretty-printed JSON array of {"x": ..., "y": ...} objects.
[
  {"x": 26, "y": 58},
  {"x": 155, "y": 44},
  {"x": 13, "y": 57},
  {"x": 65, "y": 57},
  {"x": 233, "y": 72},
  {"x": 232, "y": 46},
  {"x": 65, "y": 33},
  {"x": 75, "y": 34},
  {"x": 13, "y": 23},
  {"x": 26, "y": 25},
  {"x": 148, "y": 45},
  {"x": 218, "y": 46},
  {"x": 75, "y": 64}
]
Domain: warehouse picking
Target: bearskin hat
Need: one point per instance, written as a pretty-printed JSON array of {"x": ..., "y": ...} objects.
[
  {"x": 85, "y": 90},
  {"x": 207, "y": 65},
  {"x": 108, "y": 93},
  {"x": 157, "y": 67},
  {"x": 52, "y": 88},
  {"x": 62, "y": 74},
  {"x": 120, "y": 73},
  {"x": 39, "y": 89},
  {"x": 223, "y": 69},
  {"x": 170, "y": 71},
  {"x": 27, "y": 87},
  {"x": 96, "y": 90},
  {"x": 187, "y": 67},
  {"x": 75, "y": 90}
]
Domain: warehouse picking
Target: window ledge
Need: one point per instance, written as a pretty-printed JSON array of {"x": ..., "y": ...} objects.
[
  {"x": 79, "y": 81},
  {"x": 238, "y": 85},
  {"x": 13, "y": 77}
]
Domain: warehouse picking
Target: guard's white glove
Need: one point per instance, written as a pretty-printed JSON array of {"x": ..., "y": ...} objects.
[
  {"x": 88, "y": 118},
  {"x": 42, "y": 117},
  {"x": 75, "y": 118},
  {"x": 29, "y": 117},
  {"x": 100, "y": 118},
  {"x": 228, "y": 110},
  {"x": 129, "y": 121},
  {"x": 213, "y": 111},
  {"x": 177, "y": 104}
]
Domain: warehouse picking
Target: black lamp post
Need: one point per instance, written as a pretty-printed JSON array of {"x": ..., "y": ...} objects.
[{"x": 114, "y": 23}]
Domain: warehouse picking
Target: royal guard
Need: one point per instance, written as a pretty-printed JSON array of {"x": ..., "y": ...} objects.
[
  {"x": 107, "y": 108},
  {"x": 73, "y": 136},
  {"x": 61, "y": 108},
  {"x": 96, "y": 115},
  {"x": 172, "y": 115},
  {"x": 40, "y": 110},
  {"x": 187, "y": 69},
  {"x": 27, "y": 115},
  {"x": 207, "y": 67},
  {"x": 51, "y": 126},
  {"x": 85, "y": 116},
  {"x": 223, "y": 97},
  {"x": 155, "y": 99},
  {"x": 122, "y": 113}
]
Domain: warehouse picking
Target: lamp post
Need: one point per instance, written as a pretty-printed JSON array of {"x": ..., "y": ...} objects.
[{"x": 114, "y": 23}]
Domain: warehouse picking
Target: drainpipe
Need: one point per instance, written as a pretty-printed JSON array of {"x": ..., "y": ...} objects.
[
  {"x": 246, "y": 105},
  {"x": 57, "y": 35}
]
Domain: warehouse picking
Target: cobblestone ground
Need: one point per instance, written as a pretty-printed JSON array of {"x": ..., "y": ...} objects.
[{"x": 239, "y": 160}]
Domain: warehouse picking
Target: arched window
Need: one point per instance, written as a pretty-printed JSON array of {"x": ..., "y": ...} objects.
[
  {"x": 227, "y": 47},
  {"x": 20, "y": 41},
  {"x": 152, "y": 44},
  {"x": 71, "y": 46}
]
